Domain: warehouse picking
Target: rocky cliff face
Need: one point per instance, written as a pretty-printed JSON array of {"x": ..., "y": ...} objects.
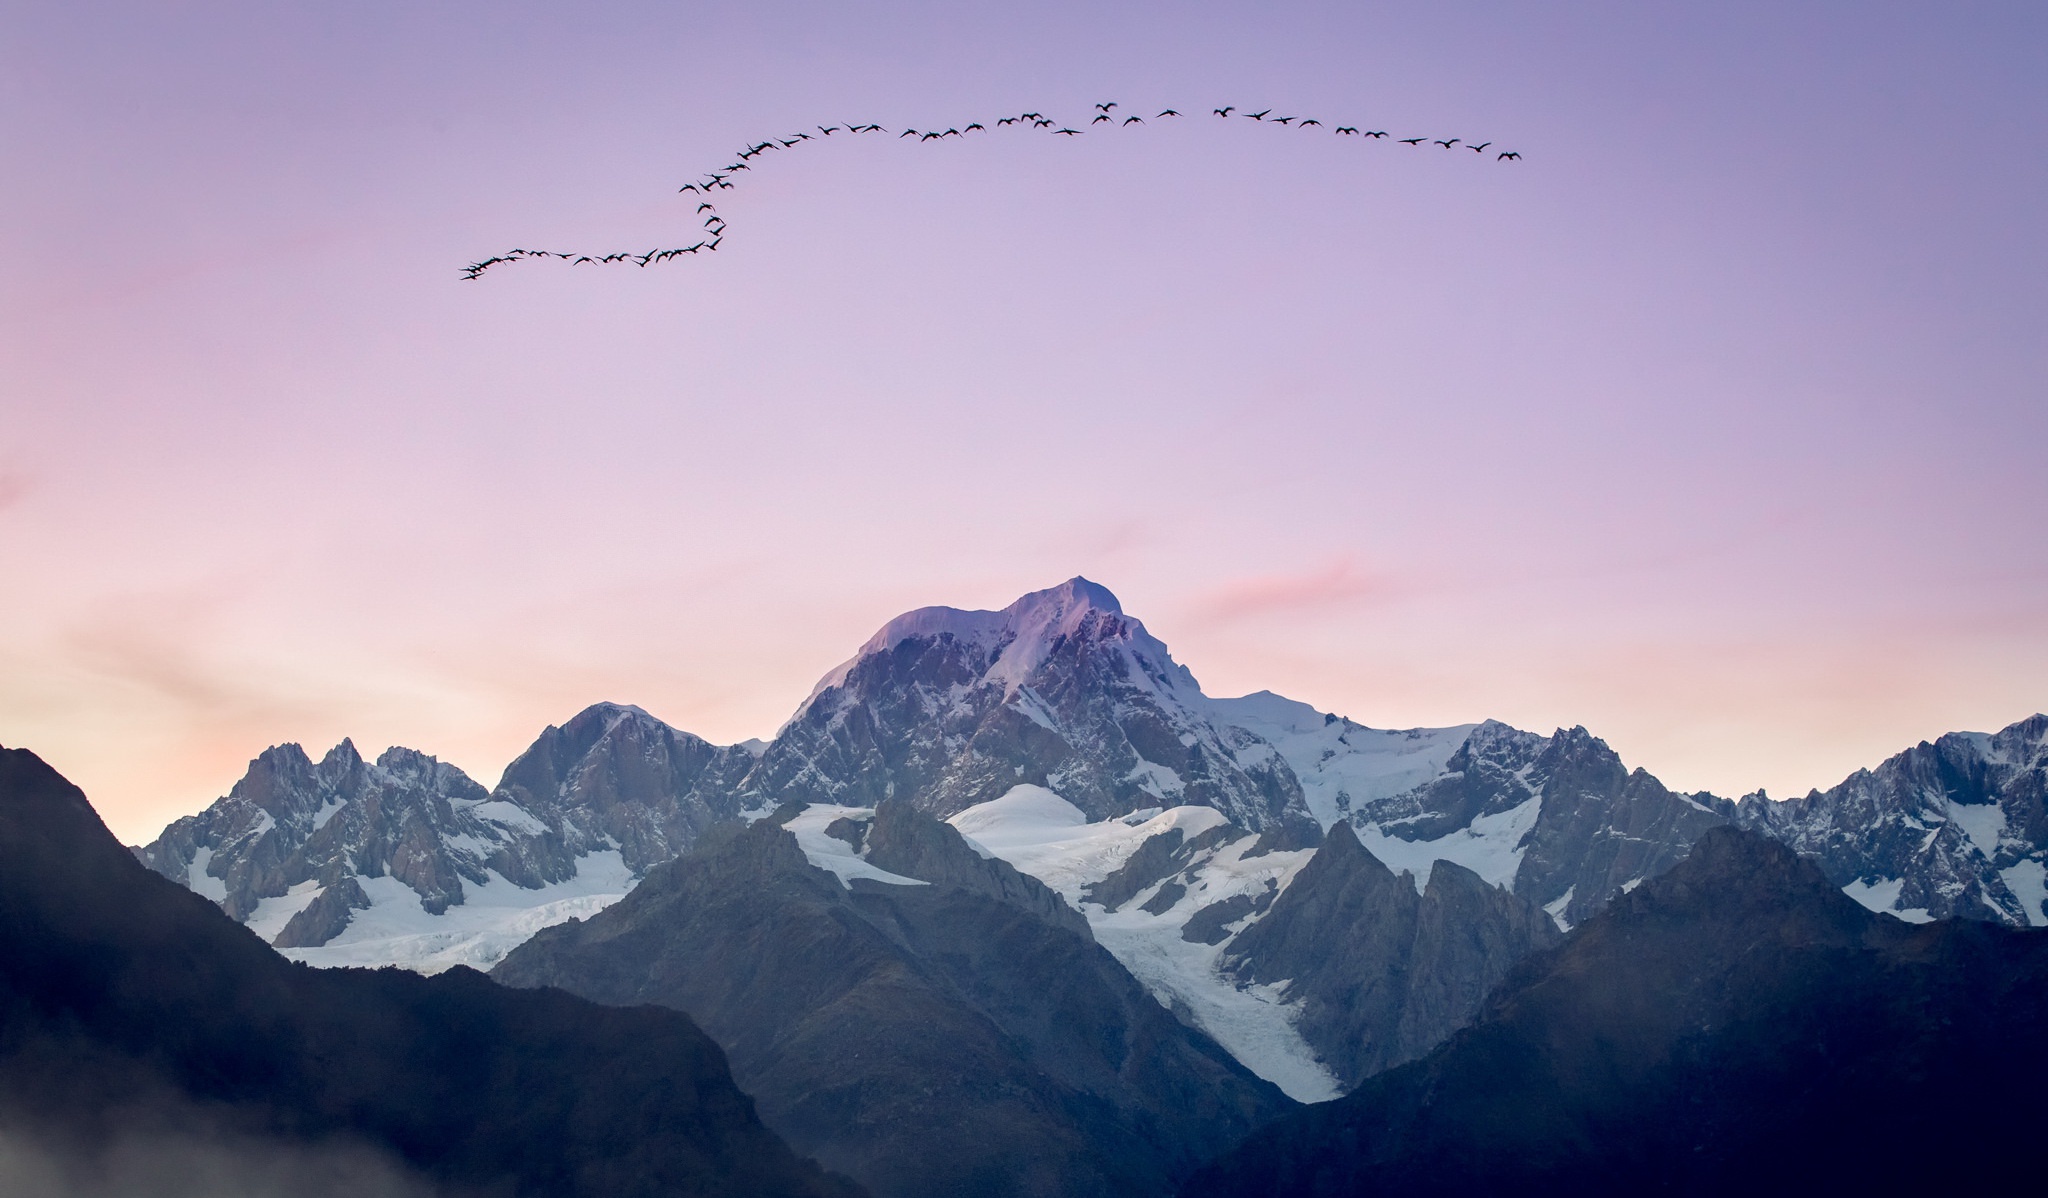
[
  {"x": 1379, "y": 972},
  {"x": 928, "y": 1032},
  {"x": 409, "y": 817},
  {"x": 615, "y": 777},
  {"x": 1953, "y": 829}
]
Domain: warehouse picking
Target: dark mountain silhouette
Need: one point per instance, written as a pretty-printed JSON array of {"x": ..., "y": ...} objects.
[
  {"x": 956, "y": 1031},
  {"x": 1737, "y": 1024},
  {"x": 122, "y": 992}
]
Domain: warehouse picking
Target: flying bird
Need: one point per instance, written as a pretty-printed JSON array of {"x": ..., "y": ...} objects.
[{"x": 715, "y": 225}]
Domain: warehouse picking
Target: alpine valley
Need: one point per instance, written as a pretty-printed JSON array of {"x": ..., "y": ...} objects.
[{"x": 1010, "y": 906}]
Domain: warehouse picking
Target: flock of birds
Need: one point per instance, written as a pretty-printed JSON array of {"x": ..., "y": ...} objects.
[{"x": 1106, "y": 113}]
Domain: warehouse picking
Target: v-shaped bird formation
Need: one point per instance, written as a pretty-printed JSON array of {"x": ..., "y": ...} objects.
[{"x": 1106, "y": 115}]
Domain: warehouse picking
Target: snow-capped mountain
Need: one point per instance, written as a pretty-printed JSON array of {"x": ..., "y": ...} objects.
[
  {"x": 409, "y": 862},
  {"x": 948, "y": 708},
  {"x": 1061, "y": 736},
  {"x": 1953, "y": 829}
]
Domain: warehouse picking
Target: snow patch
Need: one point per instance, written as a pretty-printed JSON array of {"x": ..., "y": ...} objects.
[
  {"x": 327, "y": 812},
  {"x": 1342, "y": 765},
  {"x": 510, "y": 815},
  {"x": 1043, "y": 835},
  {"x": 2028, "y": 881},
  {"x": 1555, "y": 908},
  {"x": 834, "y": 855},
  {"x": 197, "y": 880},
  {"x": 1490, "y": 846},
  {"x": 493, "y": 919},
  {"x": 1883, "y": 896},
  {"x": 271, "y": 914},
  {"x": 1983, "y": 823}
]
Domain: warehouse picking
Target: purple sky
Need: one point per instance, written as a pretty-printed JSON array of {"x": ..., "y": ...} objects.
[{"x": 1716, "y": 424}]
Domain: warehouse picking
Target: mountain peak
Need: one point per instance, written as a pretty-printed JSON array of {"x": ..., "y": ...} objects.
[{"x": 1019, "y": 635}]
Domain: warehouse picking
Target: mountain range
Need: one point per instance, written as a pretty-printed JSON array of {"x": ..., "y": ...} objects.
[
  {"x": 1220, "y": 850},
  {"x": 1735, "y": 1024},
  {"x": 130, "y": 1007},
  {"x": 1011, "y": 906}
]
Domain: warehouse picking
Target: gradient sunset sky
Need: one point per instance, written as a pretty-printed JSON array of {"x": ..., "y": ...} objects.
[{"x": 1716, "y": 424}]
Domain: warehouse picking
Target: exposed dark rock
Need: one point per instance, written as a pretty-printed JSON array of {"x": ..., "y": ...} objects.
[
  {"x": 615, "y": 775},
  {"x": 1158, "y": 858},
  {"x": 326, "y": 916},
  {"x": 1383, "y": 974},
  {"x": 930, "y": 1040},
  {"x": 124, "y": 992},
  {"x": 1737, "y": 1024},
  {"x": 1164, "y": 898},
  {"x": 1211, "y": 924}
]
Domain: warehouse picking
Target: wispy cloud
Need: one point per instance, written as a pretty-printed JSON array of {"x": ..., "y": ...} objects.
[
  {"x": 14, "y": 487},
  {"x": 1342, "y": 583}
]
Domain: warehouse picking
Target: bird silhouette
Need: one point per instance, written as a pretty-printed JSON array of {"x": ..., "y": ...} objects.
[{"x": 722, "y": 179}]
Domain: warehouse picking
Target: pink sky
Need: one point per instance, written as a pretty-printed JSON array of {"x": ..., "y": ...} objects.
[{"x": 1715, "y": 424}]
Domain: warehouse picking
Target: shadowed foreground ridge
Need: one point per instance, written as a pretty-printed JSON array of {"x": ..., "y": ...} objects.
[
  {"x": 964, "y": 1036},
  {"x": 125, "y": 998},
  {"x": 1738, "y": 1022}
]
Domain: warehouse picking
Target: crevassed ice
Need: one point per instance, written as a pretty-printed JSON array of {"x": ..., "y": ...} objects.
[{"x": 1044, "y": 835}]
